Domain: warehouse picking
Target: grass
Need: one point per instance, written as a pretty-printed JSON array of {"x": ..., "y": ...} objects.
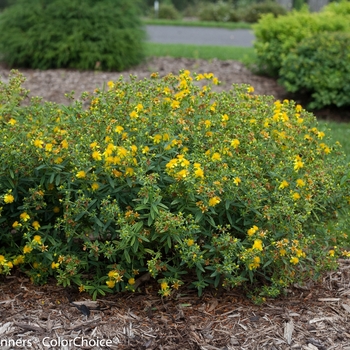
[
  {"x": 338, "y": 132},
  {"x": 242, "y": 54},
  {"x": 181, "y": 22}
]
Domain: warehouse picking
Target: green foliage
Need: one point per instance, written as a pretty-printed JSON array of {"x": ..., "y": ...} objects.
[
  {"x": 82, "y": 34},
  {"x": 320, "y": 66},
  {"x": 340, "y": 8},
  {"x": 277, "y": 37},
  {"x": 168, "y": 11},
  {"x": 167, "y": 178},
  {"x": 253, "y": 13},
  {"x": 218, "y": 12}
]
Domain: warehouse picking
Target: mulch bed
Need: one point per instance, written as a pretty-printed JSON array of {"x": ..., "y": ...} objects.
[{"x": 308, "y": 317}]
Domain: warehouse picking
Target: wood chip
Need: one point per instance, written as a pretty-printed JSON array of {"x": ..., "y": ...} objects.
[
  {"x": 288, "y": 331},
  {"x": 346, "y": 307},
  {"x": 329, "y": 299},
  {"x": 5, "y": 327}
]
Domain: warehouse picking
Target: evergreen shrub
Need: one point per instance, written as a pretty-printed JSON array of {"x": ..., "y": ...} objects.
[
  {"x": 81, "y": 34},
  {"x": 166, "y": 179},
  {"x": 168, "y": 11},
  {"x": 216, "y": 12},
  {"x": 320, "y": 66},
  {"x": 254, "y": 12},
  {"x": 276, "y": 37}
]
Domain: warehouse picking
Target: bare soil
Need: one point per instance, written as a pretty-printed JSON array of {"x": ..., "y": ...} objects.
[{"x": 311, "y": 317}]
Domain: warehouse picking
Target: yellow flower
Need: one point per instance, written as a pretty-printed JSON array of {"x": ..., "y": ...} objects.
[
  {"x": 110, "y": 84},
  {"x": 95, "y": 186},
  {"x": 237, "y": 181},
  {"x": 250, "y": 89},
  {"x": 199, "y": 173},
  {"x": 38, "y": 143},
  {"x": 12, "y": 121},
  {"x": 110, "y": 284},
  {"x": 207, "y": 123},
  {"x": 48, "y": 147},
  {"x": 283, "y": 185},
  {"x": 235, "y": 143},
  {"x": 298, "y": 164},
  {"x": 18, "y": 260},
  {"x": 55, "y": 265},
  {"x": 214, "y": 201},
  {"x": 64, "y": 144},
  {"x": 16, "y": 224},
  {"x": 296, "y": 196},
  {"x": 119, "y": 129},
  {"x": 9, "y": 198},
  {"x": 331, "y": 252},
  {"x": 164, "y": 285},
  {"x": 190, "y": 242},
  {"x": 129, "y": 172},
  {"x": 81, "y": 174},
  {"x": 145, "y": 149},
  {"x": 175, "y": 104},
  {"x": 58, "y": 160},
  {"x": 225, "y": 118},
  {"x": 2, "y": 260},
  {"x": 294, "y": 260},
  {"x": 321, "y": 135},
  {"x": 252, "y": 230},
  {"x": 117, "y": 173},
  {"x": 37, "y": 238},
  {"x": 36, "y": 225},
  {"x": 157, "y": 138},
  {"x": 131, "y": 281},
  {"x": 133, "y": 115},
  {"x": 300, "y": 183},
  {"x": 216, "y": 156},
  {"x": 27, "y": 249},
  {"x": 255, "y": 264},
  {"x": 283, "y": 252},
  {"x": 96, "y": 155},
  {"x": 24, "y": 216},
  {"x": 258, "y": 244}
]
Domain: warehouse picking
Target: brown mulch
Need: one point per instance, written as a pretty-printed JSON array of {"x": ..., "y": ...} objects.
[{"x": 310, "y": 317}]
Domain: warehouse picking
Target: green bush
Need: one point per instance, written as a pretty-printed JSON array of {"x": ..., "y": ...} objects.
[
  {"x": 168, "y": 11},
  {"x": 276, "y": 37},
  {"x": 167, "y": 179},
  {"x": 340, "y": 8},
  {"x": 82, "y": 34},
  {"x": 254, "y": 12},
  {"x": 217, "y": 12},
  {"x": 320, "y": 66}
]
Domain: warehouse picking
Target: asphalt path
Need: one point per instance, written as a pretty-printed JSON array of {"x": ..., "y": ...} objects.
[{"x": 200, "y": 36}]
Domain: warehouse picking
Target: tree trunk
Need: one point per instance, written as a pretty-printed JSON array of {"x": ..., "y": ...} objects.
[
  {"x": 316, "y": 5},
  {"x": 287, "y": 4}
]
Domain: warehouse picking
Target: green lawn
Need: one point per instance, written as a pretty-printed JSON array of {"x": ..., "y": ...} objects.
[
  {"x": 228, "y": 25},
  {"x": 338, "y": 132},
  {"x": 243, "y": 54}
]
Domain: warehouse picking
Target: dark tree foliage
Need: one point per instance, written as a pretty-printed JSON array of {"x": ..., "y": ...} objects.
[{"x": 81, "y": 34}]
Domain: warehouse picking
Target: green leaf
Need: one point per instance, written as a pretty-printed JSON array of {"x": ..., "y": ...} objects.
[{"x": 127, "y": 256}]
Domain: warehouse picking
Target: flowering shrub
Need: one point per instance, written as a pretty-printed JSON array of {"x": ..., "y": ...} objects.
[{"x": 167, "y": 178}]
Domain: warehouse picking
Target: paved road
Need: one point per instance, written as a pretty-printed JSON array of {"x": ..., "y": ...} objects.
[{"x": 200, "y": 36}]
